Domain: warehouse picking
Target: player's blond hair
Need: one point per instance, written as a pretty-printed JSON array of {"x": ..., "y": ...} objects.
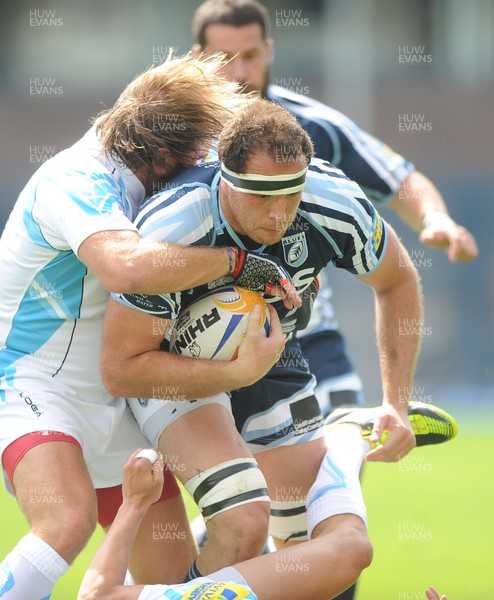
[{"x": 181, "y": 105}]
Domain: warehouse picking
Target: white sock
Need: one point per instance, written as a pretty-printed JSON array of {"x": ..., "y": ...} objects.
[
  {"x": 337, "y": 488},
  {"x": 30, "y": 570}
]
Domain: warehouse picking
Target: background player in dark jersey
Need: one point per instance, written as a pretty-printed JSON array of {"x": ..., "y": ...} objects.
[{"x": 255, "y": 198}]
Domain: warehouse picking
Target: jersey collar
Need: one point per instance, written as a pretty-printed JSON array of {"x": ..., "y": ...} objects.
[{"x": 134, "y": 189}]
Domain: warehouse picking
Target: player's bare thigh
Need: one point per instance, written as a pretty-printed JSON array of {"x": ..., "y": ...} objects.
[
  {"x": 201, "y": 439},
  {"x": 204, "y": 440}
]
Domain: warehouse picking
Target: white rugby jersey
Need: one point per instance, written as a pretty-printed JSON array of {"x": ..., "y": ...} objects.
[
  {"x": 335, "y": 223},
  {"x": 377, "y": 169},
  {"x": 51, "y": 306}
]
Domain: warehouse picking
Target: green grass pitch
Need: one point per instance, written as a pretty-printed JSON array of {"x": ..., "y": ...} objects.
[{"x": 431, "y": 520}]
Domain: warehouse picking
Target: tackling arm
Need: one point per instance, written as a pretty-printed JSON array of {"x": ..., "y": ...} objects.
[{"x": 126, "y": 263}]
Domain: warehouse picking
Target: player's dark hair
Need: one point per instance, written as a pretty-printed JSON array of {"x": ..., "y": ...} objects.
[
  {"x": 263, "y": 126},
  {"x": 229, "y": 12},
  {"x": 180, "y": 105}
]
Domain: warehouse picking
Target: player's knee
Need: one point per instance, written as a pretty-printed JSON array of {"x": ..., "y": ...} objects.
[
  {"x": 234, "y": 502},
  {"x": 288, "y": 522},
  {"x": 76, "y": 527},
  {"x": 68, "y": 528},
  {"x": 360, "y": 551},
  {"x": 242, "y": 531}
]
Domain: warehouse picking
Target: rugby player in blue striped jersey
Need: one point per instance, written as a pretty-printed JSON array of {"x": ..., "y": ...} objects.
[
  {"x": 241, "y": 30},
  {"x": 266, "y": 195}
]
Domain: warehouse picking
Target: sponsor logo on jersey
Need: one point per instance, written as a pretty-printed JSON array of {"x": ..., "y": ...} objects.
[
  {"x": 156, "y": 304},
  {"x": 295, "y": 249},
  {"x": 217, "y": 591},
  {"x": 377, "y": 232}
]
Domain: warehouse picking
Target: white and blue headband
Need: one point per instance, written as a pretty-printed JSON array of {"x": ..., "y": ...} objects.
[{"x": 264, "y": 185}]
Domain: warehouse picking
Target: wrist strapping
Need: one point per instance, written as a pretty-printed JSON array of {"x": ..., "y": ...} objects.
[
  {"x": 237, "y": 259},
  {"x": 436, "y": 217}
]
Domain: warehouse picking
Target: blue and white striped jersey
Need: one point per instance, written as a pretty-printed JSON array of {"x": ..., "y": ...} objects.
[
  {"x": 377, "y": 169},
  {"x": 370, "y": 162},
  {"x": 335, "y": 223},
  {"x": 51, "y": 306}
]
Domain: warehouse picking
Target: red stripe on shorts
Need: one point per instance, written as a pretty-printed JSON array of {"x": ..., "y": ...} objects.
[
  {"x": 16, "y": 450},
  {"x": 110, "y": 499}
]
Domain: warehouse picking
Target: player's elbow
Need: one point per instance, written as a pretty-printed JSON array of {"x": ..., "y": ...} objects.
[
  {"x": 114, "y": 377},
  {"x": 123, "y": 276}
]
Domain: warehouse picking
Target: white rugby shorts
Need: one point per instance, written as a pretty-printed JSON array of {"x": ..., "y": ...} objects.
[{"x": 107, "y": 431}]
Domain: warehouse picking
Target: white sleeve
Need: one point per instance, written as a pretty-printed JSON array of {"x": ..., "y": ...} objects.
[{"x": 70, "y": 207}]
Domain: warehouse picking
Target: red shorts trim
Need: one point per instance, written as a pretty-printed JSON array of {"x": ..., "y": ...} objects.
[
  {"x": 110, "y": 499},
  {"x": 16, "y": 450}
]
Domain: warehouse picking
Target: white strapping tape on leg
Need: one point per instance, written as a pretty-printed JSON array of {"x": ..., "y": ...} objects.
[
  {"x": 232, "y": 483},
  {"x": 288, "y": 521}
]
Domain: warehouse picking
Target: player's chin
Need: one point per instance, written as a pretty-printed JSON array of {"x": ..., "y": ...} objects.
[{"x": 268, "y": 237}]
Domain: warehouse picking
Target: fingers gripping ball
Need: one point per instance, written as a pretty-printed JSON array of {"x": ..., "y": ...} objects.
[{"x": 213, "y": 326}]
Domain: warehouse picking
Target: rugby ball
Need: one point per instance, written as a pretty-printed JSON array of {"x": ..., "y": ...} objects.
[{"x": 214, "y": 325}]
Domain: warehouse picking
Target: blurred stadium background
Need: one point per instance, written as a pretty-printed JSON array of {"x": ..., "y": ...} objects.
[{"x": 382, "y": 62}]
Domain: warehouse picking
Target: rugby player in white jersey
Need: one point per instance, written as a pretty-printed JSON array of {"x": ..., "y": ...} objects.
[
  {"x": 69, "y": 240},
  {"x": 282, "y": 575},
  {"x": 265, "y": 196}
]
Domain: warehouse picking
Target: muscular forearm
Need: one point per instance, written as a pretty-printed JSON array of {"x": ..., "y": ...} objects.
[
  {"x": 400, "y": 326},
  {"x": 417, "y": 197},
  {"x": 420, "y": 205},
  {"x": 105, "y": 577},
  {"x": 125, "y": 263},
  {"x": 165, "y": 268},
  {"x": 166, "y": 376}
]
